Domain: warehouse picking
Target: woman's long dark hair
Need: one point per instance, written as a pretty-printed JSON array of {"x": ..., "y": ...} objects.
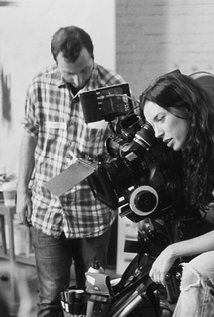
[{"x": 183, "y": 97}]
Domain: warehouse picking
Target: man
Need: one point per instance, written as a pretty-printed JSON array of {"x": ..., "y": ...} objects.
[{"x": 76, "y": 225}]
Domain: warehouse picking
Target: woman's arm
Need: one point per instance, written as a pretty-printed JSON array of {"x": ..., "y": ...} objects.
[{"x": 184, "y": 248}]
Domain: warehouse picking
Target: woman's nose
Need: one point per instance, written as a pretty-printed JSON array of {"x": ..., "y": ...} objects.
[{"x": 158, "y": 132}]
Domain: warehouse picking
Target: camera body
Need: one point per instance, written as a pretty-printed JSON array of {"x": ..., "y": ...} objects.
[
  {"x": 143, "y": 179},
  {"x": 140, "y": 174}
]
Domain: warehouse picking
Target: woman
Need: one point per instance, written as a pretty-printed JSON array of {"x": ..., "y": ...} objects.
[{"x": 181, "y": 112}]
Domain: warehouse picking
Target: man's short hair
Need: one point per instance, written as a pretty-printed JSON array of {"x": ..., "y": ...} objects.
[{"x": 70, "y": 41}]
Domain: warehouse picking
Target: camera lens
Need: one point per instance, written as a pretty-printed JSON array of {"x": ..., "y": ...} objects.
[{"x": 144, "y": 200}]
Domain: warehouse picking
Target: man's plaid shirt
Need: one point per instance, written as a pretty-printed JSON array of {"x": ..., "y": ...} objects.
[{"x": 55, "y": 116}]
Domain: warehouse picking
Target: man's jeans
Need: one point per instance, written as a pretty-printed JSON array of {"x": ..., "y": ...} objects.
[
  {"x": 197, "y": 288},
  {"x": 53, "y": 260}
]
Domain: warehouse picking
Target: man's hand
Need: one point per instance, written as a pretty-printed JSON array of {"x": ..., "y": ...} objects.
[
  {"x": 162, "y": 265},
  {"x": 24, "y": 206}
]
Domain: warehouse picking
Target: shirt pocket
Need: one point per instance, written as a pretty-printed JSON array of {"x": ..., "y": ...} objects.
[
  {"x": 54, "y": 128},
  {"x": 53, "y": 138}
]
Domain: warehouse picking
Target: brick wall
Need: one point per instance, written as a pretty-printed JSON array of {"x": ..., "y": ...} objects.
[{"x": 157, "y": 36}]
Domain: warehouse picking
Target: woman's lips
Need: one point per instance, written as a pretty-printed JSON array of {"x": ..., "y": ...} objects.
[{"x": 168, "y": 142}]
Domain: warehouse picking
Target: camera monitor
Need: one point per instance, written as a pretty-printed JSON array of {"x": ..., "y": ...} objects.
[{"x": 106, "y": 103}]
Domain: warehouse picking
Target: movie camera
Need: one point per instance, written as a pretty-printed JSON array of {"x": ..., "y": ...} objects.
[
  {"x": 142, "y": 177},
  {"x": 139, "y": 174}
]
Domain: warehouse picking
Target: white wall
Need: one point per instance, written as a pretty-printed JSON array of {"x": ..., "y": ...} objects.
[{"x": 25, "y": 32}]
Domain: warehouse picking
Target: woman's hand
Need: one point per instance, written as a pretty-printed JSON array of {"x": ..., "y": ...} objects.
[{"x": 162, "y": 265}]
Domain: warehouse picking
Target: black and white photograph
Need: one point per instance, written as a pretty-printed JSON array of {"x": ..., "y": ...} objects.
[{"x": 106, "y": 158}]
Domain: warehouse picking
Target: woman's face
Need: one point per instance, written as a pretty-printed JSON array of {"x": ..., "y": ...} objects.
[{"x": 171, "y": 129}]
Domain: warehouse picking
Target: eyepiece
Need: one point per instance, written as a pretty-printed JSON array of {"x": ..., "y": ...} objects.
[{"x": 145, "y": 137}]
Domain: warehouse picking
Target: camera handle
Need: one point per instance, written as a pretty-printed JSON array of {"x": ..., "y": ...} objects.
[{"x": 143, "y": 293}]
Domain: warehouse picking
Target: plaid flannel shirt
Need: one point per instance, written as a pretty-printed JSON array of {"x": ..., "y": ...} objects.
[{"x": 55, "y": 116}]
